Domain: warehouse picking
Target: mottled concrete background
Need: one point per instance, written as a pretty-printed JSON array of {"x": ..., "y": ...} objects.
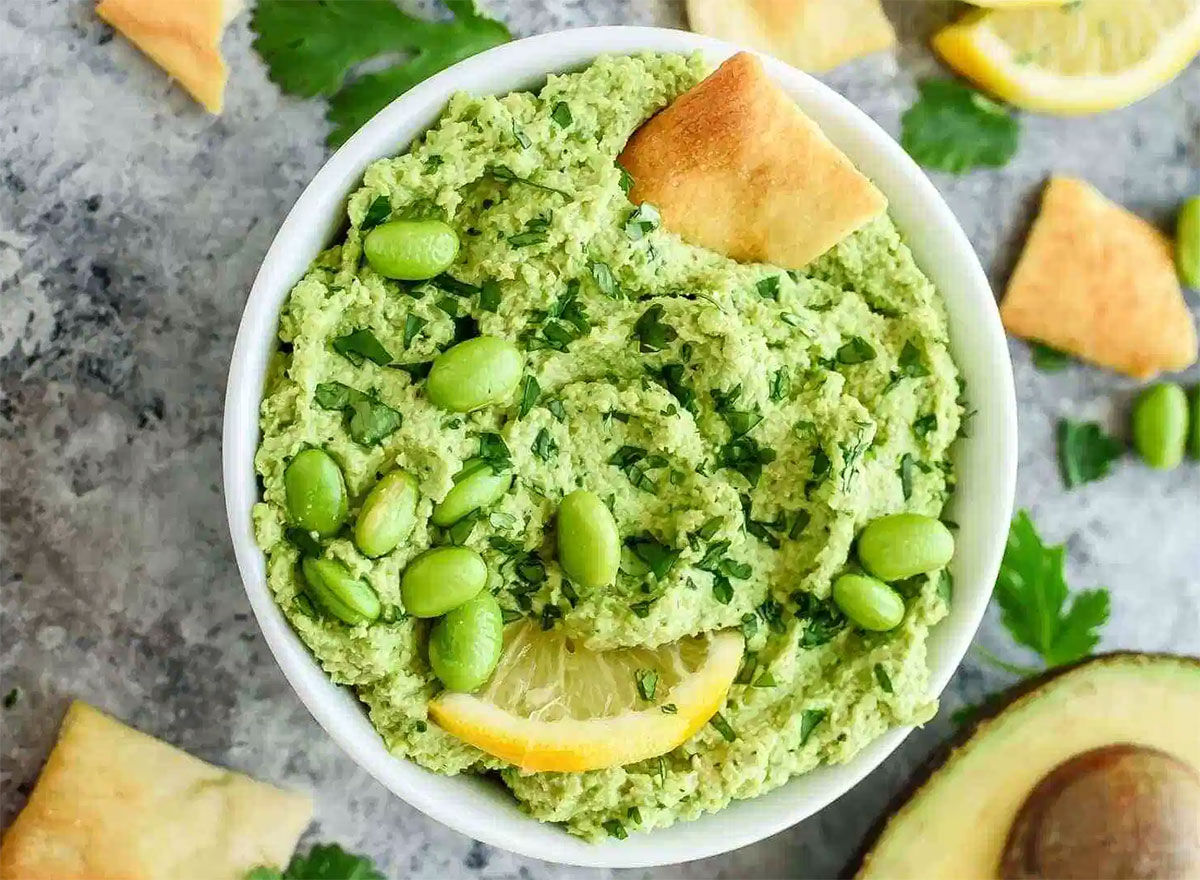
[{"x": 131, "y": 226}]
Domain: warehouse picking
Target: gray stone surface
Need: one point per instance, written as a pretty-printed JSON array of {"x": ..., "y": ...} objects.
[{"x": 131, "y": 227}]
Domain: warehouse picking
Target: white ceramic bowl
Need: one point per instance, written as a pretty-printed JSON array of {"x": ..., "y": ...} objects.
[{"x": 480, "y": 807}]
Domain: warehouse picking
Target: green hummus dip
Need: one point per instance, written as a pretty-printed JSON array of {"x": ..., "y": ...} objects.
[{"x": 705, "y": 400}]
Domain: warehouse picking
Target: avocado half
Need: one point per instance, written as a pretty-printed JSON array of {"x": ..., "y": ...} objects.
[{"x": 1088, "y": 771}]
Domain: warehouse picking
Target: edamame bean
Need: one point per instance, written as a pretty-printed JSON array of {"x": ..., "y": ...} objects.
[
  {"x": 441, "y": 579},
  {"x": 474, "y": 373},
  {"x": 904, "y": 544},
  {"x": 464, "y": 646},
  {"x": 1160, "y": 425},
  {"x": 868, "y": 602},
  {"x": 1187, "y": 242},
  {"x": 589, "y": 546},
  {"x": 387, "y": 515},
  {"x": 476, "y": 486},
  {"x": 339, "y": 593},
  {"x": 411, "y": 250},
  {"x": 316, "y": 492},
  {"x": 1194, "y": 436}
]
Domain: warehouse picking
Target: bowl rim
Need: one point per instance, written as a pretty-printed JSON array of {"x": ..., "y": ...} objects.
[{"x": 491, "y": 816}]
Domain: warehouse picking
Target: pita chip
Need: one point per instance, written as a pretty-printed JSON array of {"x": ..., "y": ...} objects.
[
  {"x": 1100, "y": 283},
  {"x": 182, "y": 36},
  {"x": 814, "y": 35},
  {"x": 733, "y": 165},
  {"x": 115, "y": 803}
]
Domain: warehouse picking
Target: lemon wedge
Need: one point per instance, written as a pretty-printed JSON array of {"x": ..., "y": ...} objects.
[
  {"x": 554, "y": 705},
  {"x": 1082, "y": 57}
]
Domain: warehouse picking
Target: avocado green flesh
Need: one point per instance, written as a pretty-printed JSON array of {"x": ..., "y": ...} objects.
[
  {"x": 970, "y": 802},
  {"x": 638, "y": 406}
]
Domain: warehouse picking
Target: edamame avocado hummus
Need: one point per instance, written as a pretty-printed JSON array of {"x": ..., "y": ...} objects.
[{"x": 740, "y": 423}]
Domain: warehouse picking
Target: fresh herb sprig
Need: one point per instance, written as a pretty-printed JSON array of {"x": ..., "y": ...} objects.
[{"x": 954, "y": 128}]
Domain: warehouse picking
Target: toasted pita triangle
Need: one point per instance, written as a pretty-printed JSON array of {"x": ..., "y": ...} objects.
[
  {"x": 182, "y": 36},
  {"x": 1100, "y": 283},
  {"x": 813, "y": 35},
  {"x": 733, "y": 165},
  {"x": 112, "y": 802}
]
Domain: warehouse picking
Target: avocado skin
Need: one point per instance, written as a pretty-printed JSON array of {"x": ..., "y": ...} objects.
[{"x": 994, "y": 706}]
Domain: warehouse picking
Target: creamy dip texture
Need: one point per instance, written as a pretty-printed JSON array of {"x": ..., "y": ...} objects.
[{"x": 744, "y": 420}]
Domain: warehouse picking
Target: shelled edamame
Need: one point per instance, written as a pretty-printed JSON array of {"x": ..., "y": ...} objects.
[
  {"x": 316, "y": 492},
  {"x": 891, "y": 548},
  {"x": 411, "y": 250},
  {"x": 464, "y": 646},
  {"x": 589, "y": 546},
  {"x": 331, "y": 586},
  {"x": 441, "y": 579},
  {"x": 476, "y": 486},
  {"x": 1160, "y": 425},
  {"x": 474, "y": 374},
  {"x": 388, "y": 514}
]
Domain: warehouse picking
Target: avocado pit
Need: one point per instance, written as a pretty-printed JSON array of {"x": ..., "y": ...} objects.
[{"x": 1120, "y": 811}]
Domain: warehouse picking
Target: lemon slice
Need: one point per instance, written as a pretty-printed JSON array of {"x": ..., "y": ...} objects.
[
  {"x": 554, "y": 705},
  {"x": 1083, "y": 57}
]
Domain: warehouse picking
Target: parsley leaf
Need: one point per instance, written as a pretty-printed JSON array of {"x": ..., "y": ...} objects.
[
  {"x": 885, "y": 680},
  {"x": 494, "y": 451},
  {"x": 544, "y": 446},
  {"x": 658, "y": 557},
  {"x": 647, "y": 683},
  {"x": 506, "y": 174},
  {"x": 360, "y": 345},
  {"x": 378, "y": 211},
  {"x": 371, "y": 420},
  {"x": 1085, "y": 452},
  {"x": 822, "y": 620},
  {"x": 323, "y": 862},
  {"x": 643, "y": 220},
  {"x": 809, "y": 719},
  {"x": 530, "y": 391},
  {"x": 615, "y": 828},
  {"x": 1032, "y": 593},
  {"x": 1047, "y": 359},
  {"x": 489, "y": 296},
  {"x": 744, "y": 455},
  {"x": 768, "y": 288},
  {"x": 953, "y": 128},
  {"x": 856, "y": 351},
  {"x": 723, "y": 727},
  {"x": 310, "y": 49},
  {"x": 413, "y": 325},
  {"x": 634, "y": 462},
  {"x": 561, "y": 114},
  {"x": 650, "y": 331}
]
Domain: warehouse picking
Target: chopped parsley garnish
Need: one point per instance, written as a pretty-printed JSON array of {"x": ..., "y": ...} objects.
[
  {"x": 450, "y": 284},
  {"x": 557, "y": 409},
  {"x": 669, "y": 709},
  {"x": 1032, "y": 593},
  {"x": 768, "y": 288},
  {"x": 856, "y": 351},
  {"x": 413, "y": 324},
  {"x": 820, "y": 467},
  {"x": 494, "y": 451},
  {"x": 544, "y": 446},
  {"x": 643, "y": 220},
  {"x": 722, "y": 589},
  {"x": 602, "y": 274},
  {"x": 626, "y": 180},
  {"x": 650, "y": 331},
  {"x": 744, "y": 455},
  {"x": 772, "y": 614},
  {"x": 417, "y": 371},
  {"x": 550, "y": 613},
  {"x": 460, "y": 531},
  {"x": 634, "y": 462},
  {"x": 656, "y": 556},
  {"x": 489, "y": 296},
  {"x": 740, "y": 421},
  {"x": 727, "y": 732},
  {"x": 615, "y": 828},
  {"x": 378, "y": 211},
  {"x": 953, "y": 128},
  {"x": 312, "y": 49},
  {"x": 647, "y": 683},
  {"x": 561, "y": 114},
  {"x": 781, "y": 384},
  {"x": 809, "y": 719},
  {"x": 885, "y": 681},
  {"x": 537, "y": 231},
  {"x": 521, "y": 137},
  {"x": 303, "y": 541},
  {"x": 362, "y": 345},
  {"x": 672, "y": 377},
  {"x": 924, "y": 424},
  {"x": 564, "y": 322},
  {"x": 822, "y": 620},
  {"x": 710, "y": 528},
  {"x": 371, "y": 420},
  {"x": 641, "y": 609},
  {"x": 766, "y": 680},
  {"x": 530, "y": 391},
  {"x": 1085, "y": 452},
  {"x": 507, "y": 175},
  {"x": 449, "y": 305},
  {"x": 906, "y": 475}
]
